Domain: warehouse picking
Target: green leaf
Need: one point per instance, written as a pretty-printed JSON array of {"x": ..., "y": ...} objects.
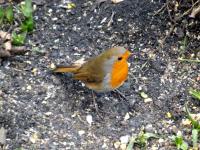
[
  {"x": 143, "y": 95},
  {"x": 27, "y": 24},
  {"x": 184, "y": 43},
  {"x": 184, "y": 146},
  {"x": 179, "y": 142},
  {"x": 148, "y": 135},
  {"x": 1, "y": 15},
  {"x": 195, "y": 123},
  {"x": 27, "y": 9},
  {"x": 18, "y": 39},
  {"x": 9, "y": 14},
  {"x": 195, "y": 93},
  {"x": 143, "y": 138},
  {"x": 131, "y": 142},
  {"x": 195, "y": 138}
]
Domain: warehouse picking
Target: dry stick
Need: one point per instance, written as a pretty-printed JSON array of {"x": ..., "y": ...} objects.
[
  {"x": 18, "y": 50},
  {"x": 195, "y": 11},
  {"x": 170, "y": 17},
  {"x": 188, "y": 11},
  {"x": 111, "y": 19},
  {"x": 170, "y": 32},
  {"x": 161, "y": 9},
  {"x": 189, "y": 60},
  {"x": 175, "y": 21}
]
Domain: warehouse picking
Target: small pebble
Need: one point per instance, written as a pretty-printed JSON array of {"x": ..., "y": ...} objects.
[
  {"x": 120, "y": 19},
  {"x": 81, "y": 132},
  {"x": 149, "y": 128},
  {"x": 124, "y": 139},
  {"x": 146, "y": 100},
  {"x": 89, "y": 119},
  {"x": 123, "y": 146},
  {"x": 34, "y": 138},
  {"x": 117, "y": 144},
  {"x": 29, "y": 87},
  {"x": 143, "y": 95},
  {"x": 48, "y": 113},
  {"x": 127, "y": 116}
]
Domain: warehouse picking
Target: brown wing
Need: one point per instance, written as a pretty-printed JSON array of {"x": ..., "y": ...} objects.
[
  {"x": 90, "y": 72},
  {"x": 88, "y": 78}
]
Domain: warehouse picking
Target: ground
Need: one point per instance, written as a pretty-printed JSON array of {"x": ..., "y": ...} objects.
[{"x": 42, "y": 110}]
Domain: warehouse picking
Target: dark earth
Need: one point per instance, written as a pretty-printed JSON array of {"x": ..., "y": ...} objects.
[{"x": 42, "y": 110}]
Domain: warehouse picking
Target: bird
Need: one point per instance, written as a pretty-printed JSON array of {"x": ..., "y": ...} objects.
[{"x": 102, "y": 73}]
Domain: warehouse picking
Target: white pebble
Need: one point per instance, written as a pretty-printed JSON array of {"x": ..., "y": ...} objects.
[
  {"x": 81, "y": 132},
  {"x": 89, "y": 119},
  {"x": 124, "y": 139}
]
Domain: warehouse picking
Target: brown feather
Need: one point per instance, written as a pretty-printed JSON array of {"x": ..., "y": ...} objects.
[{"x": 63, "y": 69}]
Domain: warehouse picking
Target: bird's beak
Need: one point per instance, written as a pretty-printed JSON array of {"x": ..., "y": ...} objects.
[
  {"x": 127, "y": 54},
  {"x": 130, "y": 53}
]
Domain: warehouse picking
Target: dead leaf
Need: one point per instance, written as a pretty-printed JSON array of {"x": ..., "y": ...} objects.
[
  {"x": 8, "y": 45},
  {"x": 4, "y": 53},
  {"x": 5, "y": 35}
]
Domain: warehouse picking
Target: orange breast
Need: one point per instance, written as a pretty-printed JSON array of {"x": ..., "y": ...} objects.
[{"x": 119, "y": 73}]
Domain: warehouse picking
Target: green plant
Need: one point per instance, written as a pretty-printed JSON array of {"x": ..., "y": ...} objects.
[
  {"x": 27, "y": 24},
  {"x": 9, "y": 13},
  {"x": 1, "y": 15},
  {"x": 27, "y": 11},
  {"x": 195, "y": 128},
  {"x": 18, "y": 39},
  {"x": 183, "y": 45},
  {"x": 179, "y": 141},
  {"x": 141, "y": 139},
  {"x": 6, "y": 14},
  {"x": 195, "y": 93}
]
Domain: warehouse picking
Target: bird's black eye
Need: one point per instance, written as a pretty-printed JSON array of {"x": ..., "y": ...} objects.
[{"x": 119, "y": 58}]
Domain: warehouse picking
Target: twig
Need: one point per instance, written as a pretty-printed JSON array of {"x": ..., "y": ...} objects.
[
  {"x": 111, "y": 19},
  {"x": 18, "y": 50},
  {"x": 195, "y": 11},
  {"x": 170, "y": 32},
  {"x": 161, "y": 9},
  {"x": 188, "y": 11},
  {"x": 170, "y": 17},
  {"x": 176, "y": 20},
  {"x": 189, "y": 60}
]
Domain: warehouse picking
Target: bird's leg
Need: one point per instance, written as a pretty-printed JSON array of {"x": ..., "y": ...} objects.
[
  {"x": 121, "y": 95},
  {"x": 96, "y": 105}
]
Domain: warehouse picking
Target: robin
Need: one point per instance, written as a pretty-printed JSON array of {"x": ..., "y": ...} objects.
[{"x": 103, "y": 73}]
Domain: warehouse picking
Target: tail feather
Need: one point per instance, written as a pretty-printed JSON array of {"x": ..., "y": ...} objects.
[{"x": 63, "y": 69}]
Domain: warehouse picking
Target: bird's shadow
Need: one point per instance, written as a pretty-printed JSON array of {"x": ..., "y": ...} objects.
[{"x": 80, "y": 98}]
